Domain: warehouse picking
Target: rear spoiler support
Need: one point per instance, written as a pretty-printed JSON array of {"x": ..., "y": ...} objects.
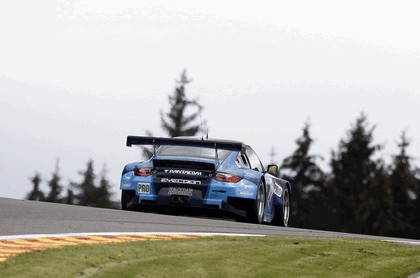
[{"x": 215, "y": 150}]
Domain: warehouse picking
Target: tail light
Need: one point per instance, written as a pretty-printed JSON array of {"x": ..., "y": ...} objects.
[
  {"x": 225, "y": 177},
  {"x": 144, "y": 172}
]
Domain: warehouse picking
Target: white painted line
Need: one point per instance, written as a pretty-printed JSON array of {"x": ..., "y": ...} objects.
[
  {"x": 404, "y": 242},
  {"x": 415, "y": 275},
  {"x": 11, "y": 237}
]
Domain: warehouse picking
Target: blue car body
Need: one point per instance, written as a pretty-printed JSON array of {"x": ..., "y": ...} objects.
[{"x": 218, "y": 174}]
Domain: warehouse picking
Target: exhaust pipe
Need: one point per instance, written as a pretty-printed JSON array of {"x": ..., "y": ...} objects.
[{"x": 182, "y": 200}]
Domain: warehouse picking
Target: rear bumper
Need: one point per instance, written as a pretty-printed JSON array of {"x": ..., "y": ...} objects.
[
  {"x": 231, "y": 197},
  {"x": 181, "y": 201}
]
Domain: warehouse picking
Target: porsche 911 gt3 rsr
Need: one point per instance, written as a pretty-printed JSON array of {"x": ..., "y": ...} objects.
[{"x": 220, "y": 174}]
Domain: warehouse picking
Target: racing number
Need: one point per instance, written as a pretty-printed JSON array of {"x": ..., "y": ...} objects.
[{"x": 143, "y": 188}]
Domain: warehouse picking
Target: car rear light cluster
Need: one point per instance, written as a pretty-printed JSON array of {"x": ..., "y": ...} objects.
[
  {"x": 225, "y": 177},
  {"x": 144, "y": 172}
]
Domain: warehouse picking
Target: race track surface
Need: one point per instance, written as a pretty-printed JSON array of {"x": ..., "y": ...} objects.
[{"x": 22, "y": 217}]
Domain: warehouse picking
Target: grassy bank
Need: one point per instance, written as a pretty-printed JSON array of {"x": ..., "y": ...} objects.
[{"x": 222, "y": 257}]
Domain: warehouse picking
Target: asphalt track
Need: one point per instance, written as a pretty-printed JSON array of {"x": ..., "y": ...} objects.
[{"x": 22, "y": 217}]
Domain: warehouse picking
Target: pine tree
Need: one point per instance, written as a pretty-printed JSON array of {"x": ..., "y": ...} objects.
[
  {"x": 147, "y": 151},
  {"x": 103, "y": 192},
  {"x": 378, "y": 206},
  {"x": 90, "y": 194},
  {"x": 36, "y": 194},
  {"x": 177, "y": 122},
  {"x": 354, "y": 181},
  {"x": 308, "y": 183},
  {"x": 416, "y": 211},
  {"x": 70, "y": 198},
  {"x": 87, "y": 195},
  {"x": 55, "y": 186},
  {"x": 404, "y": 184}
]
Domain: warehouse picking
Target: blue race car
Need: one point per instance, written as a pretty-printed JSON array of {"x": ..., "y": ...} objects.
[{"x": 221, "y": 174}]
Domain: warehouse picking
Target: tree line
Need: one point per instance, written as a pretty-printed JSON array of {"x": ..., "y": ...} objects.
[
  {"x": 88, "y": 192},
  {"x": 360, "y": 193}
]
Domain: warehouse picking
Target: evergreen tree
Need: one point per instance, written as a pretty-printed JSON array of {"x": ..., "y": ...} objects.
[
  {"x": 70, "y": 198},
  {"x": 55, "y": 186},
  {"x": 177, "y": 122},
  {"x": 404, "y": 184},
  {"x": 378, "y": 206},
  {"x": 416, "y": 211},
  {"x": 103, "y": 193},
  {"x": 87, "y": 195},
  {"x": 147, "y": 151},
  {"x": 354, "y": 180},
  {"x": 308, "y": 182},
  {"x": 91, "y": 194},
  {"x": 36, "y": 194}
]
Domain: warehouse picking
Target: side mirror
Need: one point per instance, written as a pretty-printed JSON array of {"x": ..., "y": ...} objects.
[{"x": 273, "y": 169}]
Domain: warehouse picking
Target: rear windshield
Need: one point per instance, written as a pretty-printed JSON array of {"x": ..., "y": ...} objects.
[{"x": 206, "y": 153}]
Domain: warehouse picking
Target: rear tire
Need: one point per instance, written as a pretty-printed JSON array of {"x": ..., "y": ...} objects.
[
  {"x": 126, "y": 197},
  {"x": 282, "y": 214},
  {"x": 256, "y": 213}
]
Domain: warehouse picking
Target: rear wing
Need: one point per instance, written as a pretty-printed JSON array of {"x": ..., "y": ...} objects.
[{"x": 204, "y": 143}]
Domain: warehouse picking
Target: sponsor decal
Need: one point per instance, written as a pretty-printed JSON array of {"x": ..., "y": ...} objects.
[
  {"x": 180, "y": 181},
  {"x": 184, "y": 172},
  {"x": 278, "y": 190},
  {"x": 143, "y": 188},
  {"x": 246, "y": 193},
  {"x": 180, "y": 191},
  {"x": 248, "y": 186}
]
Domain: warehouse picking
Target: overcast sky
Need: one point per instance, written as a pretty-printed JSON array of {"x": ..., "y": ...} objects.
[{"x": 77, "y": 77}]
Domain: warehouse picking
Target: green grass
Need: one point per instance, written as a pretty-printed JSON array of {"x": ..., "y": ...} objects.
[{"x": 222, "y": 257}]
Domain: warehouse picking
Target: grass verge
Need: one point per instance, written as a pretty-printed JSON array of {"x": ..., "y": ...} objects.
[{"x": 222, "y": 257}]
